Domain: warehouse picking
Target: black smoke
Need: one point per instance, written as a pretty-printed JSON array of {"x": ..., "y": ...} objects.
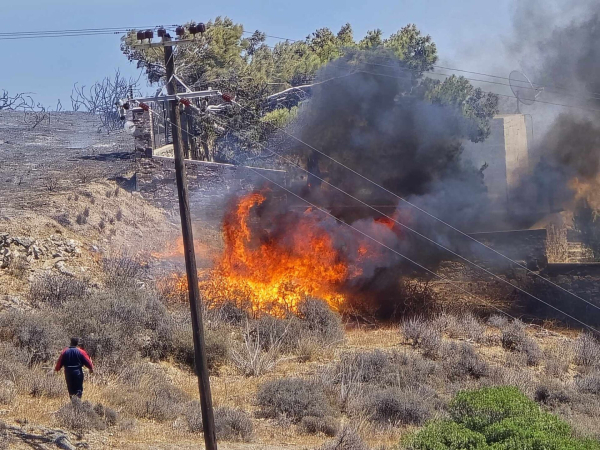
[{"x": 558, "y": 46}]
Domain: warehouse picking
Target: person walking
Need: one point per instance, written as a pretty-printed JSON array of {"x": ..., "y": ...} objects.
[{"x": 73, "y": 359}]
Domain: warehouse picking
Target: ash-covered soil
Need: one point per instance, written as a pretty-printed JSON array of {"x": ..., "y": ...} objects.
[{"x": 58, "y": 154}]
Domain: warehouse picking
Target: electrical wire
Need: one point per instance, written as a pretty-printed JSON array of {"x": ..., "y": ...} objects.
[
  {"x": 443, "y": 278},
  {"x": 426, "y": 212},
  {"x": 429, "y": 239}
]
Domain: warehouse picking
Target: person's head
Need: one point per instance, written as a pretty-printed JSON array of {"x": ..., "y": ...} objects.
[{"x": 74, "y": 342}]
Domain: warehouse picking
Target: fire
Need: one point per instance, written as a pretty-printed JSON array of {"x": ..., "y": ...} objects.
[
  {"x": 275, "y": 274},
  {"x": 270, "y": 265}
]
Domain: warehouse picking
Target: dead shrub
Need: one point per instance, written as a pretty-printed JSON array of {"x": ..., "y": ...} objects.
[
  {"x": 54, "y": 290},
  {"x": 589, "y": 383},
  {"x": 227, "y": 313},
  {"x": 466, "y": 326},
  {"x": 327, "y": 425},
  {"x": 497, "y": 321},
  {"x": 80, "y": 416},
  {"x": 86, "y": 211},
  {"x": 193, "y": 417},
  {"x": 293, "y": 398},
  {"x": 33, "y": 332},
  {"x": 63, "y": 219},
  {"x": 414, "y": 329},
  {"x": 119, "y": 215},
  {"x": 362, "y": 367},
  {"x": 122, "y": 272},
  {"x": 18, "y": 267},
  {"x": 346, "y": 439},
  {"x": 182, "y": 347},
  {"x": 320, "y": 322},
  {"x": 148, "y": 394},
  {"x": 13, "y": 362},
  {"x": 81, "y": 219},
  {"x": 514, "y": 338},
  {"x": 250, "y": 358},
  {"x": 394, "y": 407},
  {"x": 462, "y": 361},
  {"x": 8, "y": 392},
  {"x": 233, "y": 425},
  {"x": 553, "y": 393},
  {"x": 587, "y": 350},
  {"x": 276, "y": 332},
  {"x": 40, "y": 383}
]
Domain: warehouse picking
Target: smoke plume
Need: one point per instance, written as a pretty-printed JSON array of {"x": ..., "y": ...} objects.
[{"x": 559, "y": 50}]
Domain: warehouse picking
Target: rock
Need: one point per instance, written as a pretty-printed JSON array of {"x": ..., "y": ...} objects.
[
  {"x": 24, "y": 241},
  {"x": 52, "y": 263},
  {"x": 37, "y": 252},
  {"x": 57, "y": 255},
  {"x": 60, "y": 265}
]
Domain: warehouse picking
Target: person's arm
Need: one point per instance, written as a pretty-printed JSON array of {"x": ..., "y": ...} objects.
[
  {"x": 59, "y": 363},
  {"x": 87, "y": 361}
]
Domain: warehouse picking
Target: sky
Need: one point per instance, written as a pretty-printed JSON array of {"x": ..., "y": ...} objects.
[{"x": 469, "y": 33}]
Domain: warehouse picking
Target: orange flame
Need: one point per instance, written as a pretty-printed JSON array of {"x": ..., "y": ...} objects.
[{"x": 274, "y": 273}]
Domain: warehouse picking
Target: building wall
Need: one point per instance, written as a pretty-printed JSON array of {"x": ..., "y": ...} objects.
[{"x": 505, "y": 152}]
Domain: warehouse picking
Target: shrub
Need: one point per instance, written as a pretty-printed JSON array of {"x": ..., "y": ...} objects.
[
  {"x": 226, "y": 313},
  {"x": 497, "y": 321},
  {"x": 461, "y": 361},
  {"x": 293, "y": 398},
  {"x": 55, "y": 290},
  {"x": 40, "y": 383},
  {"x": 514, "y": 338},
  {"x": 589, "y": 383},
  {"x": 233, "y": 425},
  {"x": 8, "y": 392},
  {"x": 393, "y": 407},
  {"x": 446, "y": 435},
  {"x": 497, "y": 418},
  {"x": 466, "y": 326},
  {"x": 587, "y": 350},
  {"x": 148, "y": 393},
  {"x": 81, "y": 219},
  {"x": 320, "y": 322},
  {"x": 327, "y": 425},
  {"x": 481, "y": 408},
  {"x": 80, "y": 417},
  {"x": 32, "y": 332},
  {"x": 346, "y": 439}
]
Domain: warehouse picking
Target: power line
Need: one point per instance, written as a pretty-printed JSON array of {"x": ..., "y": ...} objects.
[
  {"x": 429, "y": 239},
  {"x": 446, "y": 279},
  {"x": 420, "y": 209}
]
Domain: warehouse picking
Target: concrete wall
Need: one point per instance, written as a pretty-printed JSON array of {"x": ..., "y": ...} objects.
[{"x": 506, "y": 153}]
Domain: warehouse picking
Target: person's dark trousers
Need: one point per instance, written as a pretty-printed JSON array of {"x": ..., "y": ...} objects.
[{"x": 74, "y": 380}]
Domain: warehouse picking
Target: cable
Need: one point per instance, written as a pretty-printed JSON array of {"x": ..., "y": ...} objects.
[
  {"x": 370, "y": 237},
  {"x": 430, "y": 240},
  {"x": 477, "y": 80},
  {"x": 383, "y": 245},
  {"x": 429, "y": 214},
  {"x": 403, "y": 256}
]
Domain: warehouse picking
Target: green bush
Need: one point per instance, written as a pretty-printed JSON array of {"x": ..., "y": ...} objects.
[
  {"x": 497, "y": 418},
  {"x": 446, "y": 435}
]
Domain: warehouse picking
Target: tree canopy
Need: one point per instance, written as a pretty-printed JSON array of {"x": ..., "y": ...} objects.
[{"x": 242, "y": 64}]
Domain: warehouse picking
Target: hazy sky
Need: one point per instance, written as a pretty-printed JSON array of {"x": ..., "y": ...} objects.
[{"x": 468, "y": 33}]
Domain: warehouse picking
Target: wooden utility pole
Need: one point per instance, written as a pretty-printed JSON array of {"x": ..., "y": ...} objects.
[{"x": 208, "y": 421}]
